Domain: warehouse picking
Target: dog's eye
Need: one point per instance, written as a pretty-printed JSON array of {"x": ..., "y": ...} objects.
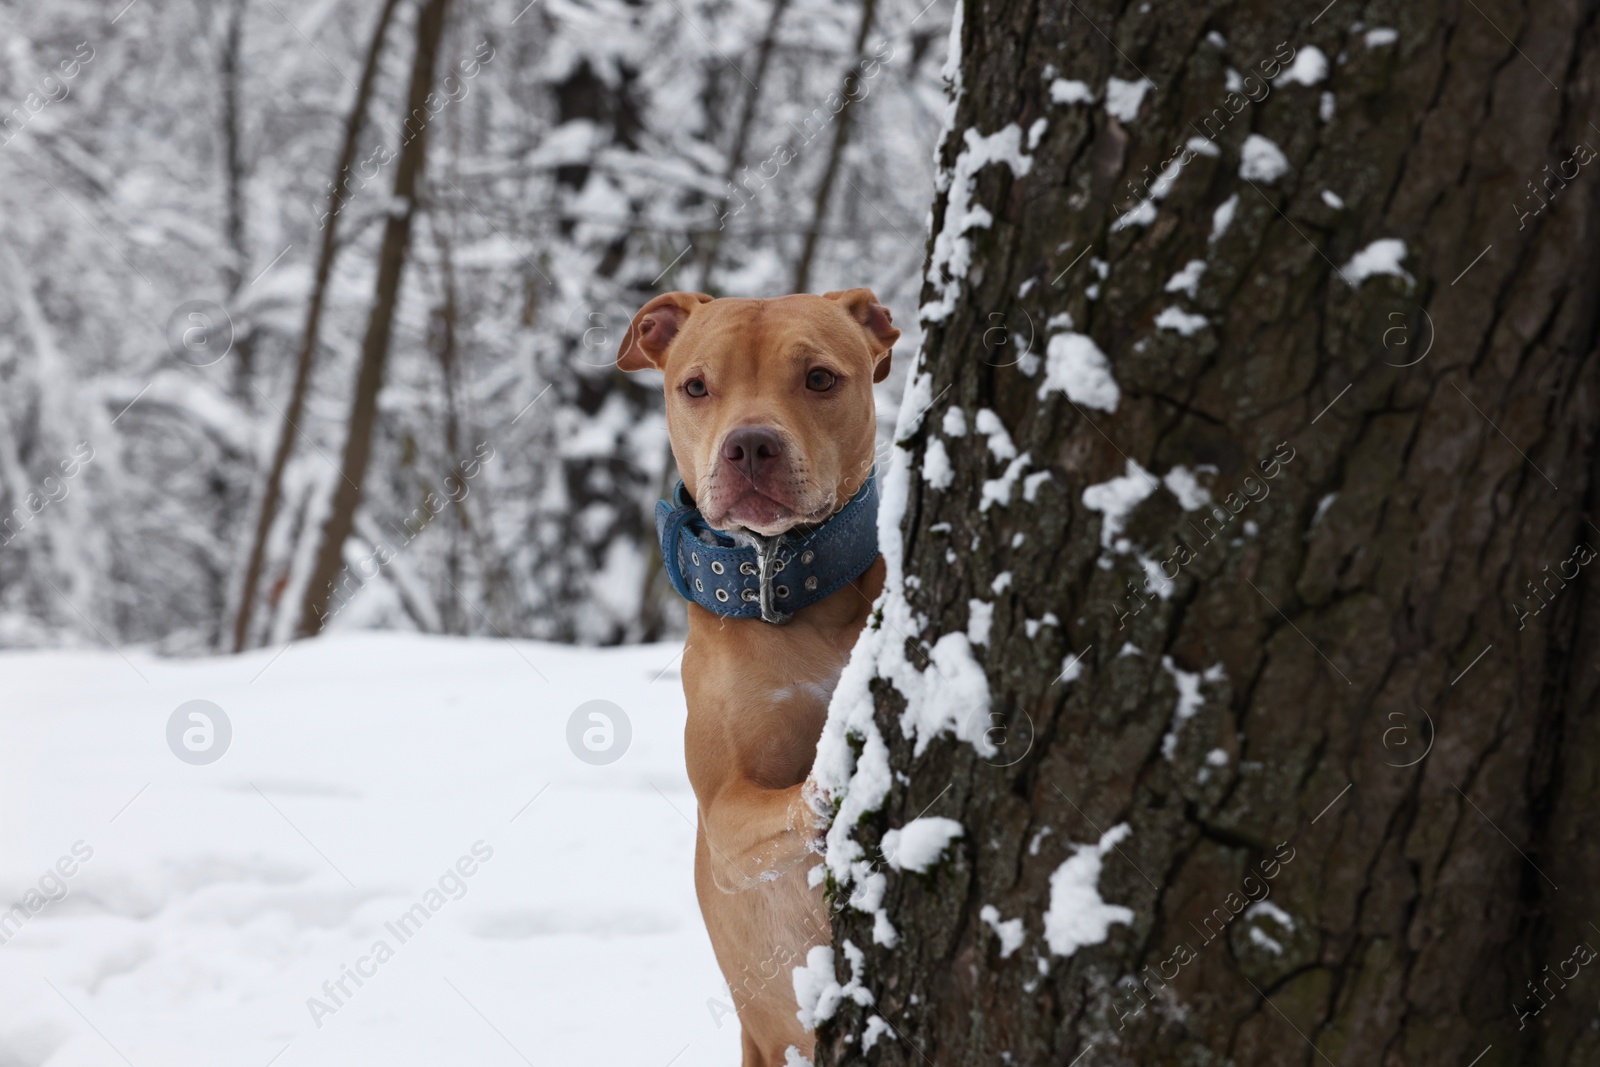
[
  {"x": 819, "y": 380},
  {"x": 695, "y": 387}
]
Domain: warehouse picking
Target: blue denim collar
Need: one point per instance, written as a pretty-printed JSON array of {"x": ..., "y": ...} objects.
[{"x": 775, "y": 577}]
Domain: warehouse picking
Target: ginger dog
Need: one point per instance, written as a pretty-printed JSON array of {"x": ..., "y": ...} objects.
[{"x": 770, "y": 413}]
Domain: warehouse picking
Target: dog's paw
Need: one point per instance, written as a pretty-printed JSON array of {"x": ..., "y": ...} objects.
[{"x": 816, "y": 814}]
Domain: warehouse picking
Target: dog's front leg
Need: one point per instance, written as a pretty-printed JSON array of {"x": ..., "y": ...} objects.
[
  {"x": 749, "y": 744},
  {"x": 754, "y": 835}
]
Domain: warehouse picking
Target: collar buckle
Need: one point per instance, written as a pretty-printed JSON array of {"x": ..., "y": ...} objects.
[{"x": 767, "y": 566}]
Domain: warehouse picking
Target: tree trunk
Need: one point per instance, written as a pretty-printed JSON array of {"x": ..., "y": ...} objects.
[
  {"x": 1300, "y": 769},
  {"x": 233, "y": 155},
  {"x": 375, "y": 348},
  {"x": 338, "y": 188}
]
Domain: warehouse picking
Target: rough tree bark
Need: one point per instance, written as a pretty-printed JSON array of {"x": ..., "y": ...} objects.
[
  {"x": 338, "y": 190},
  {"x": 375, "y": 347},
  {"x": 1379, "y": 678}
]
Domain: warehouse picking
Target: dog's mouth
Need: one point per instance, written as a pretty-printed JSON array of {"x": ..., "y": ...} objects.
[
  {"x": 758, "y": 512},
  {"x": 765, "y": 510}
]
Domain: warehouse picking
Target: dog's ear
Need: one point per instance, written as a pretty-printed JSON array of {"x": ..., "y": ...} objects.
[
  {"x": 653, "y": 329},
  {"x": 876, "y": 322}
]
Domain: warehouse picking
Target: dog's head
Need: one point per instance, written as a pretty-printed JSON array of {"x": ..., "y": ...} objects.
[{"x": 769, "y": 402}]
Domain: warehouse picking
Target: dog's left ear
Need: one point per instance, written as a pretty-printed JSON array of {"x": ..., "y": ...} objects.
[
  {"x": 653, "y": 329},
  {"x": 876, "y": 322}
]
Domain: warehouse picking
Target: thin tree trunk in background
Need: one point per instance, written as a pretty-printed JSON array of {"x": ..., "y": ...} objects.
[
  {"x": 712, "y": 248},
  {"x": 233, "y": 156},
  {"x": 272, "y": 492},
  {"x": 220, "y": 579},
  {"x": 443, "y": 342},
  {"x": 1367, "y": 698},
  {"x": 841, "y": 137},
  {"x": 452, "y": 619},
  {"x": 375, "y": 348}
]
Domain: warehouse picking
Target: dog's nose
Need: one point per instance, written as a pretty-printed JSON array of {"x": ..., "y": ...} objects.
[{"x": 753, "y": 449}]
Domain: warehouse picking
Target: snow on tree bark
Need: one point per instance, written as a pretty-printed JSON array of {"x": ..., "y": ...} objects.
[{"x": 1260, "y": 388}]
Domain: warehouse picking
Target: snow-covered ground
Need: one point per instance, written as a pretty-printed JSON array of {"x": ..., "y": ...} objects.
[{"x": 364, "y": 771}]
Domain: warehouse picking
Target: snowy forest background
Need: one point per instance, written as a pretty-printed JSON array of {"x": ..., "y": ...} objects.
[{"x": 158, "y": 160}]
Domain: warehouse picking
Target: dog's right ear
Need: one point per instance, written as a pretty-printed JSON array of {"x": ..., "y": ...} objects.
[
  {"x": 653, "y": 329},
  {"x": 873, "y": 317}
]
